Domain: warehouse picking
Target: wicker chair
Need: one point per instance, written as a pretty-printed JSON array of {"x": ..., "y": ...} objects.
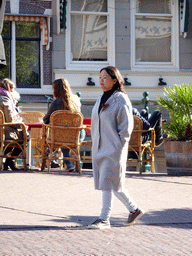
[
  {"x": 136, "y": 145},
  {"x": 5, "y": 143},
  {"x": 62, "y": 132},
  {"x": 30, "y": 117},
  {"x": 86, "y": 144}
]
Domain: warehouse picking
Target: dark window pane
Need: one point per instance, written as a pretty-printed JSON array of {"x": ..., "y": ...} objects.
[
  {"x": 89, "y": 37},
  {"x": 89, "y": 5},
  {"x": 154, "y": 6},
  {"x": 153, "y": 39},
  {"x": 6, "y": 34},
  {"x": 30, "y": 30},
  {"x": 6, "y": 29},
  {"x": 27, "y": 64}
]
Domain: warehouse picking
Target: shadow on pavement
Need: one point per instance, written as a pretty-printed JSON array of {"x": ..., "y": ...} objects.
[
  {"x": 85, "y": 173},
  {"x": 177, "y": 218},
  {"x": 161, "y": 178},
  {"x": 168, "y": 218}
]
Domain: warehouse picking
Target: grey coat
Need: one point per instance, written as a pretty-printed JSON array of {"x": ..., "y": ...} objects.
[
  {"x": 11, "y": 116},
  {"x": 111, "y": 131}
]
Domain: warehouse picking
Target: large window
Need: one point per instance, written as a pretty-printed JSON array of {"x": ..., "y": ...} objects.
[
  {"x": 90, "y": 33},
  {"x": 154, "y": 34},
  {"x": 22, "y": 48}
]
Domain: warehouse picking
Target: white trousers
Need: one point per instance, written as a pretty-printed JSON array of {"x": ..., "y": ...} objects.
[{"x": 107, "y": 202}]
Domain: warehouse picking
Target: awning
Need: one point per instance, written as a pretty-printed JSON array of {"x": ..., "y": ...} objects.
[
  {"x": 184, "y": 17},
  {"x": 41, "y": 20},
  {"x": 2, "y": 51}
]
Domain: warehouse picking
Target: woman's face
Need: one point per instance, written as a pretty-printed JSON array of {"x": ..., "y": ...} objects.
[{"x": 106, "y": 81}]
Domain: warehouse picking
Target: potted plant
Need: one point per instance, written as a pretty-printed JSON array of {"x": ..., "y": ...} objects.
[{"x": 178, "y": 145}]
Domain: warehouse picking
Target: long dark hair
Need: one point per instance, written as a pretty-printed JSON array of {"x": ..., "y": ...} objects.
[
  {"x": 115, "y": 74},
  {"x": 63, "y": 91}
]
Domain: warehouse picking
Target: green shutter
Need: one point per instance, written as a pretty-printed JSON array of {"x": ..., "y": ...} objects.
[
  {"x": 63, "y": 5},
  {"x": 186, "y": 24},
  {"x": 184, "y": 16}
]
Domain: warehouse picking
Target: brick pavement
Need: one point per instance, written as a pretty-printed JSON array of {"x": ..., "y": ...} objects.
[{"x": 47, "y": 214}]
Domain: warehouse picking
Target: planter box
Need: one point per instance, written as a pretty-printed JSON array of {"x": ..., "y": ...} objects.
[{"x": 178, "y": 155}]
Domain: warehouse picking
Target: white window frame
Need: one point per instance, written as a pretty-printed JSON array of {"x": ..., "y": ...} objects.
[
  {"x": 156, "y": 66},
  {"x": 92, "y": 65}
]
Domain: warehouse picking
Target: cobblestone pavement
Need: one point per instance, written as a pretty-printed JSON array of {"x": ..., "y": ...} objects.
[
  {"x": 135, "y": 240},
  {"x": 47, "y": 214}
]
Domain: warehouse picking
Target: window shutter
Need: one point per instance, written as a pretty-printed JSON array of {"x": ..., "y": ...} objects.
[{"x": 63, "y": 5}]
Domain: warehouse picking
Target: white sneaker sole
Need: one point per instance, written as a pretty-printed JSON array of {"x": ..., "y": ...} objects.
[{"x": 98, "y": 227}]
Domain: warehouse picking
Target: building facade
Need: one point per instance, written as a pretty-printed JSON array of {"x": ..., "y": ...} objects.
[{"x": 150, "y": 42}]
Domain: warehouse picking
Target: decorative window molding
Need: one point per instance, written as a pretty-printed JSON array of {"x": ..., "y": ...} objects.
[
  {"x": 154, "y": 35},
  {"x": 41, "y": 20},
  {"x": 96, "y": 34}
]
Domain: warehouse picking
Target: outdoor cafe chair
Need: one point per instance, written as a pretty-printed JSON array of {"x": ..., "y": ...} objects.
[
  {"x": 5, "y": 143},
  {"x": 62, "y": 133},
  {"x": 144, "y": 151},
  {"x": 33, "y": 117}
]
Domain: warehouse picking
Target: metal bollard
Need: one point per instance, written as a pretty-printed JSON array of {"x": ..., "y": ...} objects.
[
  {"x": 79, "y": 95},
  {"x": 145, "y": 101},
  {"x": 146, "y": 165},
  {"x": 49, "y": 101}
]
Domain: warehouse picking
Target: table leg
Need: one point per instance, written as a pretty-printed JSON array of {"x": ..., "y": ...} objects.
[{"x": 29, "y": 151}]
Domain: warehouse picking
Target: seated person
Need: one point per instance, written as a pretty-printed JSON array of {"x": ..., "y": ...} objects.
[
  {"x": 154, "y": 121},
  {"x": 64, "y": 100},
  {"x": 7, "y": 106},
  {"x": 15, "y": 96}
]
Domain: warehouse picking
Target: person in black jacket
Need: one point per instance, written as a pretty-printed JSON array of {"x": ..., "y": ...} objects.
[{"x": 154, "y": 121}]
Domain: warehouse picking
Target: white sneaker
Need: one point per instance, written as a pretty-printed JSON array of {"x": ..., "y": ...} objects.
[
  {"x": 100, "y": 224},
  {"x": 70, "y": 169}
]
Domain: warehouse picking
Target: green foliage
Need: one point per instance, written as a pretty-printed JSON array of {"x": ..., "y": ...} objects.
[
  {"x": 27, "y": 53},
  {"x": 178, "y": 101}
]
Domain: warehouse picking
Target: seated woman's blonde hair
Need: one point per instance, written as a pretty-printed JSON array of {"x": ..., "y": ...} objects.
[{"x": 7, "y": 84}]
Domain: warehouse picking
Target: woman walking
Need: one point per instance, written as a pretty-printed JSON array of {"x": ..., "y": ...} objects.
[{"x": 112, "y": 124}]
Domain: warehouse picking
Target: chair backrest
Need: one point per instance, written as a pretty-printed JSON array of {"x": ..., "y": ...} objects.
[
  {"x": 136, "y": 138},
  {"x": 65, "y": 126},
  {"x": 30, "y": 117},
  {"x": 66, "y": 118}
]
